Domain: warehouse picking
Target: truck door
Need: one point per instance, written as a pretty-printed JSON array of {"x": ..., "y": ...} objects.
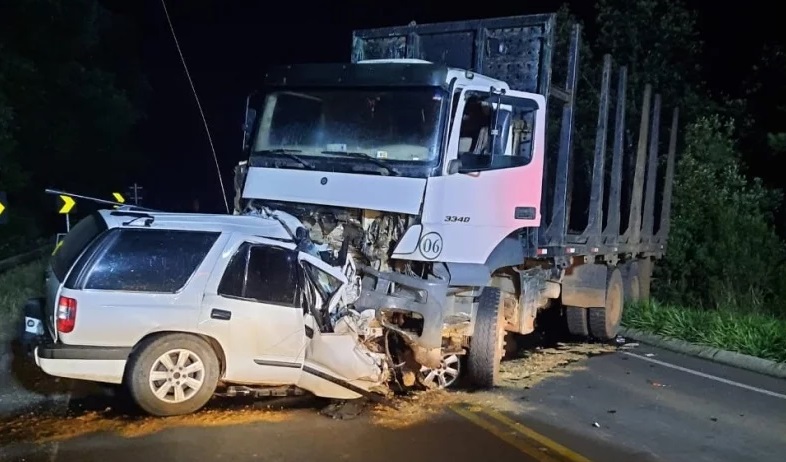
[
  {"x": 499, "y": 140},
  {"x": 252, "y": 306}
]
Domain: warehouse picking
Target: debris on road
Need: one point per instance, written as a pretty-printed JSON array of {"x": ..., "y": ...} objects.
[
  {"x": 413, "y": 409},
  {"x": 656, "y": 384},
  {"x": 417, "y": 408},
  {"x": 550, "y": 362},
  {"x": 595, "y": 424},
  {"x": 47, "y": 428}
]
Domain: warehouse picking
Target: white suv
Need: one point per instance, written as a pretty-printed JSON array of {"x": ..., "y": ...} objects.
[{"x": 174, "y": 305}]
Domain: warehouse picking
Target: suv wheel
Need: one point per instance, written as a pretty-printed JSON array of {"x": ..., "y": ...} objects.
[{"x": 173, "y": 375}]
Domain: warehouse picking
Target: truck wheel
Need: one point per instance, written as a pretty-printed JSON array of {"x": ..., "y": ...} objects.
[
  {"x": 605, "y": 322},
  {"x": 488, "y": 340},
  {"x": 632, "y": 282},
  {"x": 577, "y": 321},
  {"x": 645, "y": 278},
  {"x": 173, "y": 374}
]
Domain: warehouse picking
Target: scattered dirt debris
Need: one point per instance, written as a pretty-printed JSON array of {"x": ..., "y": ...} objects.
[
  {"x": 417, "y": 408},
  {"x": 520, "y": 373},
  {"x": 45, "y": 428},
  {"x": 536, "y": 366},
  {"x": 524, "y": 372}
]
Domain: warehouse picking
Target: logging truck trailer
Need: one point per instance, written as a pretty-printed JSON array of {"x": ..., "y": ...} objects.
[{"x": 442, "y": 157}]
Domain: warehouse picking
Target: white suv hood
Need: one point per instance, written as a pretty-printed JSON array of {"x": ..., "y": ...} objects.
[{"x": 363, "y": 191}]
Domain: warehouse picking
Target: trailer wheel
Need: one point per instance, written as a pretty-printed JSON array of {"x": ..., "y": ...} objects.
[
  {"x": 632, "y": 282},
  {"x": 645, "y": 278},
  {"x": 605, "y": 322},
  {"x": 488, "y": 340},
  {"x": 577, "y": 321}
]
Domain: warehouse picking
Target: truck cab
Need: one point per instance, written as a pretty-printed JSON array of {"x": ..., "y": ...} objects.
[
  {"x": 442, "y": 146},
  {"x": 451, "y": 159}
]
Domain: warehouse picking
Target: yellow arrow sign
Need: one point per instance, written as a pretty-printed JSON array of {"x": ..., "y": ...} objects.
[
  {"x": 119, "y": 197},
  {"x": 68, "y": 204},
  {"x": 2, "y": 208}
]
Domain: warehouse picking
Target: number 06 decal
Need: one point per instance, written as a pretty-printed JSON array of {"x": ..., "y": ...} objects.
[{"x": 431, "y": 245}]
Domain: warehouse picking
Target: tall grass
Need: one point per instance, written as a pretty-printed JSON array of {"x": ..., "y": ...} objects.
[
  {"x": 752, "y": 333},
  {"x": 16, "y": 286}
]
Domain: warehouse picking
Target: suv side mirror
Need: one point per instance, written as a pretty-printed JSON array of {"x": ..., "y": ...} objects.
[{"x": 454, "y": 166}]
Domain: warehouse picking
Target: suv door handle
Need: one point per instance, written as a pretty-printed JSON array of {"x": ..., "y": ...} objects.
[{"x": 221, "y": 315}]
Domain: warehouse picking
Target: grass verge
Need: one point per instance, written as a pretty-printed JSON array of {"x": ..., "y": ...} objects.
[
  {"x": 16, "y": 286},
  {"x": 754, "y": 334}
]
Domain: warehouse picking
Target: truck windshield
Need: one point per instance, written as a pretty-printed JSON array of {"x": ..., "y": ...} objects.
[{"x": 391, "y": 124}]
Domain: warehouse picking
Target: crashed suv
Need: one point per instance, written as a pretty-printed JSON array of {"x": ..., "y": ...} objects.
[{"x": 176, "y": 306}]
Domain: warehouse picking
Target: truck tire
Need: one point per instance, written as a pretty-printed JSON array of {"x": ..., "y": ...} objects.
[
  {"x": 186, "y": 372},
  {"x": 645, "y": 278},
  {"x": 488, "y": 340},
  {"x": 604, "y": 322},
  {"x": 577, "y": 321},
  {"x": 632, "y": 282}
]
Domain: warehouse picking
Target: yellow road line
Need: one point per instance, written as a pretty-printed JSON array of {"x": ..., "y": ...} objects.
[
  {"x": 530, "y": 433},
  {"x": 531, "y": 451},
  {"x": 551, "y": 445}
]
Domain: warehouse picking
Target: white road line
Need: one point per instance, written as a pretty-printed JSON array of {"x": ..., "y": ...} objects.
[{"x": 708, "y": 376}]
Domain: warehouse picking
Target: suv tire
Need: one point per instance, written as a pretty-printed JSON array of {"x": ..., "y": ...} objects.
[{"x": 183, "y": 367}]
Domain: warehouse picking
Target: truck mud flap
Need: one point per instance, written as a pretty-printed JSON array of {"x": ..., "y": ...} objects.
[{"x": 585, "y": 286}]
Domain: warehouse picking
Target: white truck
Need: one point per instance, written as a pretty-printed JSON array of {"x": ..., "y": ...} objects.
[{"x": 428, "y": 157}]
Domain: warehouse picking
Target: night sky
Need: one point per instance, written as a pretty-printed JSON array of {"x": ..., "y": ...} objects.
[{"x": 227, "y": 45}]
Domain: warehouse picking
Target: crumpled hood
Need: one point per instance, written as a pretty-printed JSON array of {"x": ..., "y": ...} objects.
[{"x": 362, "y": 191}]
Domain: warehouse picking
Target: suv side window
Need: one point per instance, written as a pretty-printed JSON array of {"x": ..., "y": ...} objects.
[
  {"x": 145, "y": 260},
  {"x": 262, "y": 273},
  {"x": 72, "y": 245}
]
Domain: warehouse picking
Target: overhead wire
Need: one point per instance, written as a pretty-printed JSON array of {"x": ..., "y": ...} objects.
[{"x": 199, "y": 105}]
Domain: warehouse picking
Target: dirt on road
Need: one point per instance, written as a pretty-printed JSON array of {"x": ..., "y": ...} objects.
[{"x": 516, "y": 374}]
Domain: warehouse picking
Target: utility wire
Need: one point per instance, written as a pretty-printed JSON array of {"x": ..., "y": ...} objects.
[{"x": 199, "y": 106}]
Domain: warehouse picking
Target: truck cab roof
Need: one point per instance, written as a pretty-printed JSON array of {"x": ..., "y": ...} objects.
[{"x": 375, "y": 72}]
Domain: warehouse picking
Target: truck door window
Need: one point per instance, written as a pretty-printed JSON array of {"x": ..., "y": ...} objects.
[
  {"x": 262, "y": 273},
  {"x": 495, "y": 133}
]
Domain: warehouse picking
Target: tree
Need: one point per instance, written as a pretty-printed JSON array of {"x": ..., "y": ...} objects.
[
  {"x": 65, "y": 116},
  {"x": 722, "y": 247}
]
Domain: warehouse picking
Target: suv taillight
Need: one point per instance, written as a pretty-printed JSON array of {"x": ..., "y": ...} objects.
[{"x": 66, "y": 314}]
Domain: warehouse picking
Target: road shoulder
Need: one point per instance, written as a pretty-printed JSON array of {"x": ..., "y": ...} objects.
[{"x": 729, "y": 358}]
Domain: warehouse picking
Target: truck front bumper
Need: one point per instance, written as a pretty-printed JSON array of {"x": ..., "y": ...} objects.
[{"x": 388, "y": 291}]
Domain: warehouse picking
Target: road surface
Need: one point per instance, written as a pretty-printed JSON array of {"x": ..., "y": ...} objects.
[{"x": 640, "y": 404}]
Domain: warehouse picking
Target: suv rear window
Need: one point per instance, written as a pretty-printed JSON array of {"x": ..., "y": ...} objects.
[
  {"x": 144, "y": 260},
  {"x": 75, "y": 242}
]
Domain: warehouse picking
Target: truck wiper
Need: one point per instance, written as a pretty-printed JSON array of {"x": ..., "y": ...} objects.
[
  {"x": 363, "y": 155},
  {"x": 290, "y": 153}
]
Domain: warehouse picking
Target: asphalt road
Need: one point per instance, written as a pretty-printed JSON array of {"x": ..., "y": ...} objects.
[{"x": 641, "y": 404}]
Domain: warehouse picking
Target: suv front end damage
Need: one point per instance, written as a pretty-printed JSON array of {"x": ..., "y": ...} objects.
[{"x": 403, "y": 301}]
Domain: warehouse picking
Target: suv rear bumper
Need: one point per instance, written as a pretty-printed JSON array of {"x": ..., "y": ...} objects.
[{"x": 96, "y": 364}]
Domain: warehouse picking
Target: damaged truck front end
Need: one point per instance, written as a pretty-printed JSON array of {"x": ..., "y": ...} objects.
[{"x": 351, "y": 161}]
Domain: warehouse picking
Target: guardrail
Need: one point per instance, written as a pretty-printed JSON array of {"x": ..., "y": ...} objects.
[{"x": 27, "y": 257}]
